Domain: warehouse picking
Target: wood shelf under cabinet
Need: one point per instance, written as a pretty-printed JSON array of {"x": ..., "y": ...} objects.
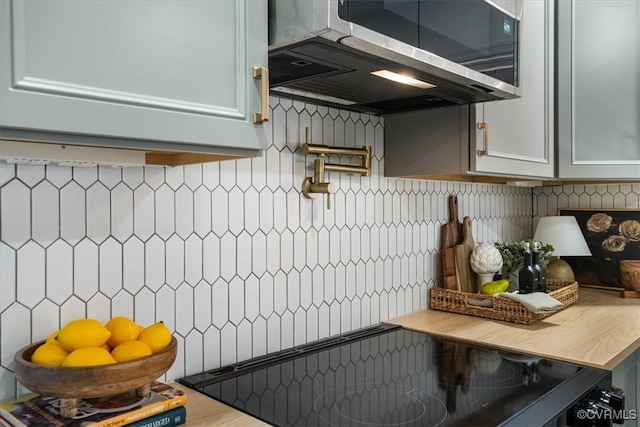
[
  {"x": 167, "y": 158},
  {"x": 517, "y": 181}
]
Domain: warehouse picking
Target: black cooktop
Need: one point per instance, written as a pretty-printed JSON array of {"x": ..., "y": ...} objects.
[{"x": 384, "y": 375}]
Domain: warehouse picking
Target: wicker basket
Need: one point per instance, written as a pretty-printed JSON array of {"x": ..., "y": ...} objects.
[{"x": 502, "y": 308}]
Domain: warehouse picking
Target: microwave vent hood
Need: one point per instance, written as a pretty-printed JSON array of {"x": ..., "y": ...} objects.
[{"x": 315, "y": 56}]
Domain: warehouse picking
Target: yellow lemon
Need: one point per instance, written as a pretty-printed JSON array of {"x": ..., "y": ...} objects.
[
  {"x": 122, "y": 329},
  {"x": 52, "y": 338},
  {"x": 49, "y": 354},
  {"x": 157, "y": 336},
  {"x": 82, "y": 333},
  {"x": 130, "y": 350},
  {"x": 88, "y": 356}
]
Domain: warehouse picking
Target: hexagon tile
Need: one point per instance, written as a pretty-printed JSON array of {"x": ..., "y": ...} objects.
[{"x": 230, "y": 255}]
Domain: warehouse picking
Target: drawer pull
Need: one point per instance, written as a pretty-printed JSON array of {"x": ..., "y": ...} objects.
[{"x": 262, "y": 74}]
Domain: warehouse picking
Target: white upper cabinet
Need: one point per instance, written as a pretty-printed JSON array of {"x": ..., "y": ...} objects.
[
  {"x": 515, "y": 136},
  {"x": 511, "y": 138},
  {"x": 149, "y": 74},
  {"x": 514, "y": 7},
  {"x": 598, "y": 83}
]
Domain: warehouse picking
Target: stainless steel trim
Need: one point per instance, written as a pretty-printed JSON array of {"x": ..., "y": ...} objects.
[{"x": 378, "y": 44}]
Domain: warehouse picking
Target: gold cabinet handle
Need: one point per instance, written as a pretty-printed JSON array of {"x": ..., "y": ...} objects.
[
  {"x": 262, "y": 74},
  {"x": 485, "y": 150}
]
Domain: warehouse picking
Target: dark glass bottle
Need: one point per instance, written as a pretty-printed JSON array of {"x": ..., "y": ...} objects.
[
  {"x": 526, "y": 274},
  {"x": 541, "y": 272}
]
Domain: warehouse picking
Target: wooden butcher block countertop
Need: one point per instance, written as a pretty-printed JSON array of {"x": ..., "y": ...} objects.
[
  {"x": 600, "y": 330},
  {"x": 203, "y": 411}
]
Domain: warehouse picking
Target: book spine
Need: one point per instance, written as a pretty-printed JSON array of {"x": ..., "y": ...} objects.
[
  {"x": 10, "y": 419},
  {"x": 4, "y": 422},
  {"x": 174, "y": 417},
  {"x": 143, "y": 412}
]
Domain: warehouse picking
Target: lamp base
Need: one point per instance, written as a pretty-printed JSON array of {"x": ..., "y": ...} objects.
[{"x": 559, "y": 269}]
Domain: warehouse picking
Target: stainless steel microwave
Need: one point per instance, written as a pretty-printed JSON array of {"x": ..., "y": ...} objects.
[{"x": 436, "y": 52}]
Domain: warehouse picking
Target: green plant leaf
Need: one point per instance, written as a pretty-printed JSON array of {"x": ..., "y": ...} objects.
[{"x": 512, "y": 254}]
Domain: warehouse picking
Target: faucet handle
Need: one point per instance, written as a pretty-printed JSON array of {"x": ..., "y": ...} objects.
[
  {"x": 331, "y": 190},
  {"x": 311, "y": 190},
  {"x": 331, "y": 187}
]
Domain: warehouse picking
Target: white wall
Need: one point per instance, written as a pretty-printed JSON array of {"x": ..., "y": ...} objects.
[{"x": 230, "y": 255}]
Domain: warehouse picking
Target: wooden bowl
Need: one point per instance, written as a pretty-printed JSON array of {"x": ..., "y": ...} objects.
[
  {"x": 630, "y": 275},
  {"x": 72, "y": 384}
]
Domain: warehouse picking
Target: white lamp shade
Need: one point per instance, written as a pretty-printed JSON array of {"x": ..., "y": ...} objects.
[{"x": 563, "y": 233}]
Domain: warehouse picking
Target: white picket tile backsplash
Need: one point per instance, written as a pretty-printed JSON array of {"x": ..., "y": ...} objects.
[
  {"x": 16, "y": 224},
  {"x": 230, "y": 255},
  {"x": 30, "y": 269},
  {"x": 547, "y": 200}
]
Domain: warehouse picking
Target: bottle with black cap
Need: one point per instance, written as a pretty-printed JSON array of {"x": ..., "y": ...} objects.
[
  {"x": 527, "y": 274},
  {"x": 541, "y": 273}
]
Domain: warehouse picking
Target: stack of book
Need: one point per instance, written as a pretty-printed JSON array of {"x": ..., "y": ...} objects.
[{"x": 163, "y": 406}]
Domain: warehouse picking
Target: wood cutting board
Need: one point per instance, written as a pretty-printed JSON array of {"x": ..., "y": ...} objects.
[
  {"x": 450, "y": 237},
  {"x": 465, "y": 275}
]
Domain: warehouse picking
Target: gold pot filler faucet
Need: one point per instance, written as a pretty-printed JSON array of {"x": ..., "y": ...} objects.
[{"x": 313, "y": 186}]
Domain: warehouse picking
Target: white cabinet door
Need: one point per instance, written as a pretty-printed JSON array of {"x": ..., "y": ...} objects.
[
  {"x": 176, "y": 73},
  {"x": 599, "y": 89},
  {"x": 518, "y": 133}
]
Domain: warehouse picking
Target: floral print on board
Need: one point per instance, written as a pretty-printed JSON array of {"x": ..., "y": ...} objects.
[{"x": 612, "y": 236}]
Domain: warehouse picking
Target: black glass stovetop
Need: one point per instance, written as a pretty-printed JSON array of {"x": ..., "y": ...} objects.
[{"x": 384, "y": 375}]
